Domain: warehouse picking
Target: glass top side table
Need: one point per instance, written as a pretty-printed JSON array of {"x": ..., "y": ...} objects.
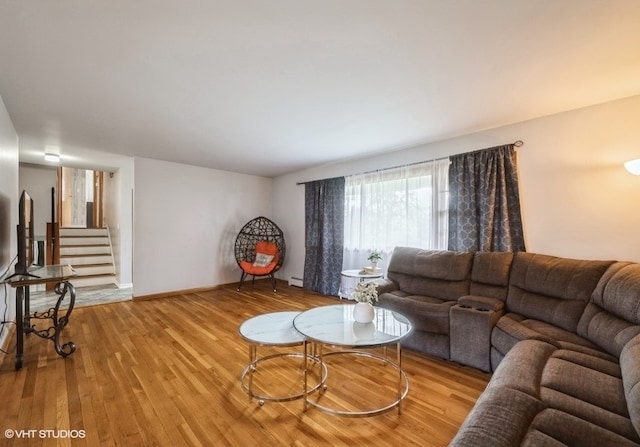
[{"x": 348, "y": 277}]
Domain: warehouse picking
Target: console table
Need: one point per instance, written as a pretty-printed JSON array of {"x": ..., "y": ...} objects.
[{"x": 60, "y": 275}]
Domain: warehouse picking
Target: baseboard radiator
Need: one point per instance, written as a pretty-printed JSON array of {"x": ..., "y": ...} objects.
[{"x": 295, "y": 281}]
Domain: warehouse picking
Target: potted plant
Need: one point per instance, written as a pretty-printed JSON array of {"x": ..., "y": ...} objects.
[
  {"x": 365, "y": 294},
  {"x": 374, "y": 257}
]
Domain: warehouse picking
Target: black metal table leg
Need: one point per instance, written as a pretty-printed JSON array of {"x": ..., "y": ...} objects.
[
  {"x": 62, "y": 289},
  {"x": 19, "y": 327},
  {"x": 21, "y": 281}
]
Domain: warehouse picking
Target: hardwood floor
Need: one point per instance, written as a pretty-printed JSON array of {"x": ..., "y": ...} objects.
[{"x": 165, "y": 372}]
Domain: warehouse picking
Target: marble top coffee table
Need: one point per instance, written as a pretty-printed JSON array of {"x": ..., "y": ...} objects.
[
  {"x": 335, "y": 326},
  {"x": 275, "y": 330}
]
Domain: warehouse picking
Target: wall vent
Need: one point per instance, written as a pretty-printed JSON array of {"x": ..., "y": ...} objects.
[{"x": 295, "y": 281}]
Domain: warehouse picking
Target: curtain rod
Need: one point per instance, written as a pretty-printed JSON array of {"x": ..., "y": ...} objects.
[{"x": 517, "y": 143}]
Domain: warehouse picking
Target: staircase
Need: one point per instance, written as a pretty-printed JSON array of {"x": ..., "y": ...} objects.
[{"x": 89, "y": 252}]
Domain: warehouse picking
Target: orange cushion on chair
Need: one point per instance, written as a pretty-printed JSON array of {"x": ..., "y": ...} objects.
[
  {"x": 266, "y": 248},
  {"x": 251, "y": 269}
]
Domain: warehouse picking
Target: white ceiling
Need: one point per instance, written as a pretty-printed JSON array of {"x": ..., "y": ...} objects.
[{"x": 268, "y": 87}]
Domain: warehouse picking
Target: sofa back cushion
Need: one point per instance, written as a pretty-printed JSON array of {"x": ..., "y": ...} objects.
[
  {"x": 490, "y": 274},
  {"x": 630, "y": 368},
  {"x": 439, "y": 274},
  {"x": 612, "y": 318},
  {"x": 551, "y": 289}
]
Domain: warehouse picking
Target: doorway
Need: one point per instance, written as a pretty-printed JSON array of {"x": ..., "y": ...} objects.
[{"x": 80, "y": 198}]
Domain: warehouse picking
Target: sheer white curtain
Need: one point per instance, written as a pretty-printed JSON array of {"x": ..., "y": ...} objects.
[{"x": 400, "y": 206}]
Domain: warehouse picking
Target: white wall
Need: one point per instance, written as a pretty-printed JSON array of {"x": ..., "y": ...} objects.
[
  {"x": 118, "y": 196},
  {"x": 38, "y": 180},
  {"x": 118, "y": 207},
  {"x": 8, "y": 213},
  {"x": 577, "y": 199},
  {"x": 186, "y": 220}
]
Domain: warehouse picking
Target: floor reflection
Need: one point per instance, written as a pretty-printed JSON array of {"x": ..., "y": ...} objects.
[{"x": 85, "y": 296}]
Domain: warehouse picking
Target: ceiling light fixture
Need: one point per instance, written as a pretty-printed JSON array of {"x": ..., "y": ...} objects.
[
  {"x": 633, "y": 166},
  {"x": 52, "y": 154}
]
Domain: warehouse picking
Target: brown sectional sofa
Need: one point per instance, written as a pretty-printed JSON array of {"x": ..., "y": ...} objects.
[{"x": 561, "y": 336}]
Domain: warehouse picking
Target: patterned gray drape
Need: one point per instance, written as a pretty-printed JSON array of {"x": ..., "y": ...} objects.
[
  {"x": 324, "y": 235},
  {"x": 484, "y": 203}
]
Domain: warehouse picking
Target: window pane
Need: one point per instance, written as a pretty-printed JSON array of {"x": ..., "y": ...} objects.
[{"x": 404, "y": 206}]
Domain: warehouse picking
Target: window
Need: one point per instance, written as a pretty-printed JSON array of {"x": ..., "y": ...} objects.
[{"x": 400, "y": 206}]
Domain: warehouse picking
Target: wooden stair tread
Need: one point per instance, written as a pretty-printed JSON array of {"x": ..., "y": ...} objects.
[
  {"x": 93, "y": 275},
  {"x": 99, "y": 264}
]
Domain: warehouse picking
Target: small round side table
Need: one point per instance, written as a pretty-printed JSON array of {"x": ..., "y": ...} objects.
[{"x": 354, "y": 274}]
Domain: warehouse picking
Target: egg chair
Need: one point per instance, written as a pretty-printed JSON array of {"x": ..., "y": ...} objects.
[{"x": 260, "y": 250}]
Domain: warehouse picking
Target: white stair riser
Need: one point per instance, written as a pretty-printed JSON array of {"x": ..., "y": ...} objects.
[
  {"x": 88, "y": 250},
  {"x": 94, "y": 270},
  {"x": 83, "y": 260},
  {"x": 84, "y": 232},
  {"x": 65, "y": 241},
  {"x": 91, "y": 281}
]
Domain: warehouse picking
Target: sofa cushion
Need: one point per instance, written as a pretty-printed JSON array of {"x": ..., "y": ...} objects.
[
  {"x": 490, "y": 274},
  {"x": 588, "y": 388},
  {"x": 559, "y": 397},
  {"x": 551, "y": 289},
  {"x": 605, "y": 330},
  {"x": 617, "y": 291},
  {"x": 436, "y": 264},
  {"x": 630, "y": 368},
  {"x": 552, "y": 427},
  {"x": 512, "y": 328},
  {"x": 612, "y": 318},
  {"x": 439, "y": 274},
  {"x": 566, "y": 339},
  {"x": 607, "y": 365},
  {"x": 584, "y": 383}
]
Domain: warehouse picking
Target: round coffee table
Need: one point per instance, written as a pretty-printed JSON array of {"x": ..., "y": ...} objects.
[
  {"x": 335, "y": 326},
  {"x": 274, "y": 330}
]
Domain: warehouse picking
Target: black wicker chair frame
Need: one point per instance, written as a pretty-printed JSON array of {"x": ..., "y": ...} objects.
[{"x": 258, "y": 230}]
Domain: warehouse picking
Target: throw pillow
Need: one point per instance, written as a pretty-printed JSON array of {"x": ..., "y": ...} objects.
[{"x": 262, "y": 260}]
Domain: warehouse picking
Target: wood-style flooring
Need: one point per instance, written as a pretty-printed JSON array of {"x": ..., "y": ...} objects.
[{"x": 165, "y": 372}]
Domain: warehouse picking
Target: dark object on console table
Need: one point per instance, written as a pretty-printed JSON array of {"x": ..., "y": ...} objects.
[{"x": 60, "y": 275}]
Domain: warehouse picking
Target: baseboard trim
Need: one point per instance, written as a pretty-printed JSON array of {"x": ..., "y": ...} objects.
[{"x": 155, "y": 296}]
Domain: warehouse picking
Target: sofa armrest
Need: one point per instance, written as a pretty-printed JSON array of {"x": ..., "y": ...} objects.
[
  {"x": 630, "y": 367},
  {"x": 481, "y": 303},
  {"x": 471, "y": 321},
  {"x": 386, "y": 285}
]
